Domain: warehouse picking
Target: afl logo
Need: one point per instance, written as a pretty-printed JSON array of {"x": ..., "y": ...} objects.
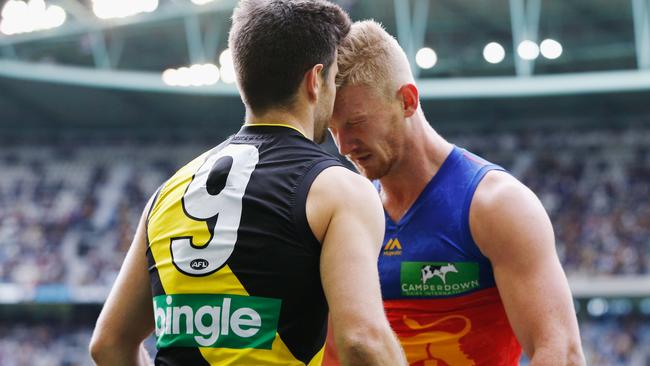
[{"x": 199, "y": 263}]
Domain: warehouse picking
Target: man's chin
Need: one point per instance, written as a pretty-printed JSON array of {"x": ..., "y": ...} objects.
[
  {"x": 372, "y": 172},
  {"x": 367, "y": 172},
  {"x": 356, "y": 166},
  {"x": 371, "y": 175}
]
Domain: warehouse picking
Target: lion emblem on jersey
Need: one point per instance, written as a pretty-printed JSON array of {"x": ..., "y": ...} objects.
[{"x": 431, "y": 346}]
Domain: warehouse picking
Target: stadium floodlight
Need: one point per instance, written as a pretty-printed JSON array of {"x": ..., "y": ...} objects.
[
  {"x": 228, "y": 74},
  {"x": 201, "y": 2},
  {"x": 426, "y": 58},
  {"x": 55, "y": 16},
  {"x": 597, "y": 307},
  {"x": 225, "y": 58},
  {"x": 227, "y": 68},
  {"x": 184, "y": 76},
  {"x": 170, "y": 77},
  {"x": 210, "y": 74},
  {"x": 528, "y": 50},
  {"x": 194, "y": 75},
  {"x": 551, "y": 49},
  {"x": 494, "y": 53},
  {"x": 108, "y": 9},
  {"x": 21, "y": 17}
]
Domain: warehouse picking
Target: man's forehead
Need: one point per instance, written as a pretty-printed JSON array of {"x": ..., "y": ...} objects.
[
  {"x": 355, "y": 95},
  {"x": 348, "y": 105}
]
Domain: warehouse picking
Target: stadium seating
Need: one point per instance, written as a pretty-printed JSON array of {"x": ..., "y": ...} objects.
[{"x": 68, "y": 213}]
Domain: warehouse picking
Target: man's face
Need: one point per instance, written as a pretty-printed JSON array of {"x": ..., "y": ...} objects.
[
  {"x": 323, "y": 113},
  {"x": 367, "y": 129}
]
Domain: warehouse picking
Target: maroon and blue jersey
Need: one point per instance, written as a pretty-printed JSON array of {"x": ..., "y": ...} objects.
[{"x": 438, "y": 288}]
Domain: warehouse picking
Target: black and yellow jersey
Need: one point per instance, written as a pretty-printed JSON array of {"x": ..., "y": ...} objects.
[{"x": 234, "y": 266}]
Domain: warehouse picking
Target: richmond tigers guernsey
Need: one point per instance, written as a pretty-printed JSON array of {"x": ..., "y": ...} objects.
[
  {"x": 439, "y": 290},
  {"x": 234, "y": 266}
]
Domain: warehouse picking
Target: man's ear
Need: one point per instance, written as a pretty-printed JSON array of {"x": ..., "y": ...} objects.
[
  {"x": 410, "y": 99},
  {"x": 313, "y": 81}
]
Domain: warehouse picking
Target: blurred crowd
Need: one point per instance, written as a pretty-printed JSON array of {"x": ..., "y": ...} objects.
[
  {"x": 68, "y": 211},
  {"x": 595, "y": 186},
  {"x": 616, "y": 342},
  {"x": 45, "y": 344},
  {"x": 610, "y": 342}
]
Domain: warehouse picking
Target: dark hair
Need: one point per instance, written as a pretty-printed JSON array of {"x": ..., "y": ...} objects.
[{"x": 274, "y": 42}]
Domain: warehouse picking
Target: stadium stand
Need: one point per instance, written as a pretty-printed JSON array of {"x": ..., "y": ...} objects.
[{"x": 70, "y": 212}]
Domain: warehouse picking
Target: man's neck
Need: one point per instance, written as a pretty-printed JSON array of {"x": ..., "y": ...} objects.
[
  {"x": 424, "y": 153},
  {"x": 279, "y": 117}
]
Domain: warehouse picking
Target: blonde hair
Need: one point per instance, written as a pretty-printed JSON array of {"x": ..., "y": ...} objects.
[{"x": 371, "y": 57}]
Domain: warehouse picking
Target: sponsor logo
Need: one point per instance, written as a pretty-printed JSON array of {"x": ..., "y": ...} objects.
[
  {"x": 438, "y": 278},
  {"x": 393, "y": 247},
  {"x": 225, "y": 321},
  {"x": 429, "y": 271}
]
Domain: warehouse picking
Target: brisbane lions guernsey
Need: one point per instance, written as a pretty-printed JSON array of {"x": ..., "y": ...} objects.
[
  {"x": 234, "y": 266},
  {"x": 439, "y": 290}
]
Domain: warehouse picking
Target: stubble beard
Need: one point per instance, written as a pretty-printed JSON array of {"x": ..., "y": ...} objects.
[
  {"x": 369, "y": 172},
  {"x": 320, "y": 129},
  {"x": 321, "y": 121}
]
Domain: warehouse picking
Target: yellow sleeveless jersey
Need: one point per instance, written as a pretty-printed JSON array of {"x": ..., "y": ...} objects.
[{"x": 234, "y": 266}]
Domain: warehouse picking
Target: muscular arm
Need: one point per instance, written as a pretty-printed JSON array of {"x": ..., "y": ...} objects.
[
  {"x": 512, "y": 229},
  {"x": 127, "y": 317},
  {"x": 345, "y": 214}
]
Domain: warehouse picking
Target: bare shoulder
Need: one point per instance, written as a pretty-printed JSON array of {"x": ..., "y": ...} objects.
[
  {"x": 501, "y": 196},
  {"x": 340, "y": 185},
  {"x": 338, "y": 189},
  {"x": 345, "y": 177},
  {"x": 505, "y": 214},
  {"x": 498, "y": 186}
]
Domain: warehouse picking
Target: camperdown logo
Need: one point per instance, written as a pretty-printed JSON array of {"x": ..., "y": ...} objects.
[
  {"x": 224, "y": 321},
  {"x": 438, "y": 278},
  {"x": 429, "y": 271}
]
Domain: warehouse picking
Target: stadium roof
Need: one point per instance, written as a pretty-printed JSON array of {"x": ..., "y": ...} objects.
[{"x": 101, "y": 70}]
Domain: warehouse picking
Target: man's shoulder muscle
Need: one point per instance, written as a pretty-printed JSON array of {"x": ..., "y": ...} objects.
[
  {"x": 335, "y": 189},
  {"x": 502, "y": 206}
]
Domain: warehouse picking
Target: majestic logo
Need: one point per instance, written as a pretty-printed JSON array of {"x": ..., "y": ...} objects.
[
  {"x": 393, "y": 247},
  {"x": 224, "y": 321},
  {"x": 429, "y": 271},
  {"x": 438, "y": 278}
]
